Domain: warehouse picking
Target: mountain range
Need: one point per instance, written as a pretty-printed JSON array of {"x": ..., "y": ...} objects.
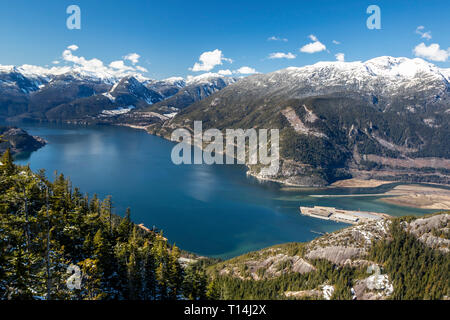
[
  {"x": 33, "y": 93},
  {"x": 386, "y": 118}
]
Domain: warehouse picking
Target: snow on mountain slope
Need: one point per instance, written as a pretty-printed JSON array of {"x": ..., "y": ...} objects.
[
  {"x": 208, "y": 78},
  {"x": 380, "y": 80},
  {"x": 382, "y": 77}
]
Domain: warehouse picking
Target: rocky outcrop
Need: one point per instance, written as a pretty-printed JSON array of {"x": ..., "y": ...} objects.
[
  {"x": 18, "y": 140},
  {"x": 432, "y": 231},
  {"x": 269, "y": 267},
  {"x": 335, "y": 254},
  {"x": 354, "y": 251}
]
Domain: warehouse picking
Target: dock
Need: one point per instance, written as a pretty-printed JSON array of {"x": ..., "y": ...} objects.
[{"x": 340, "y": 215}]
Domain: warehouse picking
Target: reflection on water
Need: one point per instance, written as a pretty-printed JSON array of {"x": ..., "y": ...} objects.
[{"x": 211, "y": 210}]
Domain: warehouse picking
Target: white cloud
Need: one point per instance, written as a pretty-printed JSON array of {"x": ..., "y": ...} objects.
[
  {"x": 226, "y": 72},
  {"x": 313, "y": 37},
  {"x": 340, "y": 57},
  {"x": 133, "y": 57},
  {"x": 274, "y": 38},
  {"x": 282, "y": 55},
  {"x": 209, "y": 59},
  {"x": 92, "y": 64},
  {"x": 336, "y": 42},
  {"x": 142, "y": 69},
  {"x": 120, "y": 65},
  {"x": 313, "y": 47},
  {"x": 432, "y": 52},
  {"x": 88, "y": 67},
  {"x": 95, "y": 66},
  {"x": 73, "y": 47},
  {"x": 246, "y": 70},
  {"x": 424, "y": 35}
]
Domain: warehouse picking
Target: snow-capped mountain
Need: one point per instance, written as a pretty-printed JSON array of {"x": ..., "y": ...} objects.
[
  {"x": 341, "y": 119},
  {"x": 129, "y": 91},
  {"x": 186, "y": 92},
  {"x": 380, "y": 80},
  {"x": 32, "y": 91},
  {"x": 167, "y": 87}
]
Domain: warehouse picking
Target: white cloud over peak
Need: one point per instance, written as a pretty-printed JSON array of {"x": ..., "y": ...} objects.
[
  {"x": 282, "y": 55},
  {"x": 340, "y": 57},
  {"x": 120, "y": 65},
  {"x": 87, "y": 67},
  {"x": 226, "y": 72},
  {"x": 274, "y": 38},
  {"x": 90, "y": 65},
  {"x": 313, "y": 47},
  {"x": 246, "y": 70},
  {"x": 96, "y": 67},
  {"x": 209, "y": 59},
  {"x": 425, "y": 35},
  {"x": 432, "y": 52},
  {"x": 133, "y": 57}
]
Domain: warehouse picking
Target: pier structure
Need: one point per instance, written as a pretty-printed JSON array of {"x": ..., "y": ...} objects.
[{"x": 340, "y": 215}]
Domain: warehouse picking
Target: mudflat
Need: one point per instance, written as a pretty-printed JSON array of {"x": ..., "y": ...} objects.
[
  {"x": 418, "y": 196},
  {"x": 359, "y": 183}
]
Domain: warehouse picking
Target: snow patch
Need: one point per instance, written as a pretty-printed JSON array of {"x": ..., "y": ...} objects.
[{"x": 118, "y": 111}]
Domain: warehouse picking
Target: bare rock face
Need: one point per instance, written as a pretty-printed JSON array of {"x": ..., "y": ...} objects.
[
  {"x": 348, "y": 246},
  {"x": 358, "y": 236},
  {"x": 313, "y": 294},
  {"x": 374, "y": 287},
  {"x": 270, "y": 267},
  {"x": 292, "y": 173},
  {"x": 432, "y": 231},
  {"x": 302, "y": 266},
  {"x": 336, "y": 254}
]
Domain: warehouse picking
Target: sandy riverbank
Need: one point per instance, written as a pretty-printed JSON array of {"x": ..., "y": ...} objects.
[
  {"x": 417, "y": 196},
  {"x": 359, "y": 183}
]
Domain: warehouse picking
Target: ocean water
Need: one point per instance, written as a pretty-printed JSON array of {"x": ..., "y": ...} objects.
[{"x": 212, "y": 210}]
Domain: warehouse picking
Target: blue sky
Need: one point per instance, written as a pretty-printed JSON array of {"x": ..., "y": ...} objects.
[{"x": 170, "y": 36}]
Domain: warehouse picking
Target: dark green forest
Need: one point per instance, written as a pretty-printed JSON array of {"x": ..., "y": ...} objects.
[{"x": 46, "y": 226}]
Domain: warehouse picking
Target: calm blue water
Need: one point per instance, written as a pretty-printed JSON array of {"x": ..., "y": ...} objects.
[{"x": 210, "y": 210}]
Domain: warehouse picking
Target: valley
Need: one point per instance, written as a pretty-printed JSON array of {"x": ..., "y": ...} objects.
[{"x": 383, "y": 119}]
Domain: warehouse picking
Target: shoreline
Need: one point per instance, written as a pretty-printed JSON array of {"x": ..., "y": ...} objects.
[
  {"x": 407, "y": 195},
  {"x": 416, "y": 196},
  {"x": 360, "y": 183}
]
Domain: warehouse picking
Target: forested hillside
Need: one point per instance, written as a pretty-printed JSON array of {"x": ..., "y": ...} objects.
[
  {"x": 372, "y": 261},
  {"x": 48, "y": 229},
  {"x": 46, "y": 226}
]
